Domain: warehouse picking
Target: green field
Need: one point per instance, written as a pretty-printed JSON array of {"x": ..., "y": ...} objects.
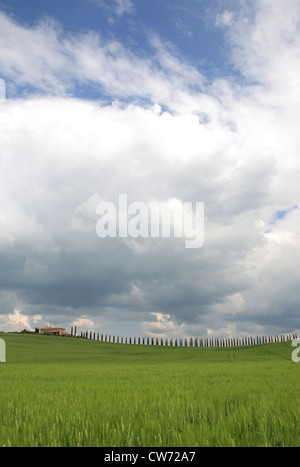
[{"x": 57, "y": 391}]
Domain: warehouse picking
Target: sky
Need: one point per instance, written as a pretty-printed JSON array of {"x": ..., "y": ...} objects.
[{"x": 174, "y": 101}]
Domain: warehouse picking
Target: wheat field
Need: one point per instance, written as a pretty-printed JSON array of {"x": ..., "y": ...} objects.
[{"x": 65, "y": 392}]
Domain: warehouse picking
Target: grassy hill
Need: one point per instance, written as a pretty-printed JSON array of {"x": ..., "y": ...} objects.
[{"x": 57, "y": 391}]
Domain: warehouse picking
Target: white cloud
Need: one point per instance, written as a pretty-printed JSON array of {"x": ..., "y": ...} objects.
[
  {"x": 232, "y": 305},
  {"x": 225, "y": 18},
  {"x": 84, "y": 323},
  {"x": 265, "y": 43},
  {"x": 117, "y": 7},
  {"x": 50, "y": 62},
  {"x": 17, "y": 321},
  {"x": 85, "y": 215},
  {"x": 163, "y": 327},
  {"x": 124, "y": 6}
]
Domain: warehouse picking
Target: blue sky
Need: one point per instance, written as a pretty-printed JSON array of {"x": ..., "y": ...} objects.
[
  {"x": 187, "y": 27},
  {"x": 177, "y": 101}
]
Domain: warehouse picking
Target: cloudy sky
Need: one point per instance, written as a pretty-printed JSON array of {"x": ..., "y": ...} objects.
[{"x": 188, "y": 101}]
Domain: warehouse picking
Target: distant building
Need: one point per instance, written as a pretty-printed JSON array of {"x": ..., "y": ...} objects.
[{"x": 53, "y": 331}]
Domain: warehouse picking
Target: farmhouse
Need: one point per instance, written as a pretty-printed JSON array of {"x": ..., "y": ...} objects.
[{"x": 53, "y": 331}]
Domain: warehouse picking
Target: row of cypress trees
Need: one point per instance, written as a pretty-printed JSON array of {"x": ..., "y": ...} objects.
[{"x": 185, "y": 342}]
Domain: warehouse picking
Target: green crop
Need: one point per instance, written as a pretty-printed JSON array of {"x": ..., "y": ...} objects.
[{"x": 58, "y": 391}]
